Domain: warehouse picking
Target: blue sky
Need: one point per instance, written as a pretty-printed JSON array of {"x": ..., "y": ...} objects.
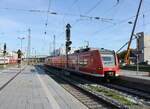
[{"x": 111, "y": 34}]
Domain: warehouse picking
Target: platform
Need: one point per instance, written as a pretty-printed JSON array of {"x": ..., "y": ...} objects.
[
  {"x": 33, "y": 89},
  {"x": 7, "y": 74},
  {"x": 134, "y": 76}
]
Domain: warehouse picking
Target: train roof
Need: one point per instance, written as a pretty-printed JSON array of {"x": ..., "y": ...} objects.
[{"x": 102, "y": 50}]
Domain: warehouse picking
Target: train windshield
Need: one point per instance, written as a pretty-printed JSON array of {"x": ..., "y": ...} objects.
[{"x": 108, "y": 60}]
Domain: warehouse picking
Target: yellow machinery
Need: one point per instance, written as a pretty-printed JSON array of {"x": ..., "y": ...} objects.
[{"x": 126, "y": 58}]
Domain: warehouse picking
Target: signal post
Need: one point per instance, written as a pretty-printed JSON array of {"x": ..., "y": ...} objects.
[
  {"x": 19, "y": 52},
  {"x": 4, "y": 53},
  {"x": 68, "y": 43}
]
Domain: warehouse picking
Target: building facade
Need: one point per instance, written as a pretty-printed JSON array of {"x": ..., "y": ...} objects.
[{"x": 143, "y": 45}]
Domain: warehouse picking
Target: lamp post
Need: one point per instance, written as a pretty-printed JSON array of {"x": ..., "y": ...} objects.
[
  {"x": 21, "y": 39},
  {"x": 137, "y": 54}
]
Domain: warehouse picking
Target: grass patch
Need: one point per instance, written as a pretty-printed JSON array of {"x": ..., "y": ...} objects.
[{"x": 114, "y": 95}]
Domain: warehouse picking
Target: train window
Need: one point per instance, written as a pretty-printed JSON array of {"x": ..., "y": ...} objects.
[
  {"x": 83, "y": 62},
  {"x": 108, "y": 60},
  {"x": 3, "y": 59}
]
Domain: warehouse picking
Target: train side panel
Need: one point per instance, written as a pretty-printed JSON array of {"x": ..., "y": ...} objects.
[
  {"x": 72, "y": 61},
  {"x": 89, "y": 62}
]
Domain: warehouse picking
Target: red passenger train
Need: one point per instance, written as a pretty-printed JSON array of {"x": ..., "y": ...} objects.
[{"x": 94, "y": 62}]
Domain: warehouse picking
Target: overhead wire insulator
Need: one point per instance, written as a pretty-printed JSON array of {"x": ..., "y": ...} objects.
[
  {"x": 52, "y": 13},
  {"x": 46, "y": 24}
]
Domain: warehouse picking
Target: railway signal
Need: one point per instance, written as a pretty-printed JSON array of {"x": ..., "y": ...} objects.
[
  {"x": 68, "y": 42},
  {"x": 68, "y": 32},
  {"x": 19, "y": 56},
  {"x": 4, "y": 49},
  {"x": 4, "y": 52}
]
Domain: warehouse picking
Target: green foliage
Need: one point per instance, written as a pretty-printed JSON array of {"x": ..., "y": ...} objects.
[{"x": 122, "y": 54}]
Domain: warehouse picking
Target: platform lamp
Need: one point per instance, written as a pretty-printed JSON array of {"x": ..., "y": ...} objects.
[{"x": 21, "y": 39}]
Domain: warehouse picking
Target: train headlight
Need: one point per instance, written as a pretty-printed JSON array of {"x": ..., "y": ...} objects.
[{"x": 111, "y": 73}]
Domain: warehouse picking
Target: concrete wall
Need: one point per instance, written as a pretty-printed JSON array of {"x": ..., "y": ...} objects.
[
  {"x": 140, "y": 45},
  {"x": 144, "y": 46},
  {"x": 147, "y": 48}
]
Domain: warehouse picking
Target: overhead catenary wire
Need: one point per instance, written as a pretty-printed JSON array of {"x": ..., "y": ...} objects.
[
  {"x": 64, "y": 14},
  {"x": 123, "y": 46},
  {"x": 111, "y": 8},
  {"x": 138, "y": 26},
  {"x": 89, "y": 19},
  {"x": 121, "y": 22},
  {"x": 74, "y": 2},
  {"x": 91, "y": 9},
  {"x": 56, "y": 13},
  {"x": 70, "y": 8},
  {"x": 117, "y": 2},
  {"x": 49, "y": 5},
  {"x": 95, "y": 6}
]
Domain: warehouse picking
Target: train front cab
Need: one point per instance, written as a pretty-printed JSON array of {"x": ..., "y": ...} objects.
[{"x": 109, "y": 64}]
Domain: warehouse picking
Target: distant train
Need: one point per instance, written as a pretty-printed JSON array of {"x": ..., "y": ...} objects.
[
  {"x": 7, "y": 60},
  {"x": 94, "y": 62}
]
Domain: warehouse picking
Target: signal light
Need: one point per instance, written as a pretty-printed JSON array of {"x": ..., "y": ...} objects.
[
  {"x": 68, "y": 43},
  {"x": 19, "y": 53},
  {"x": 68, "y": 32},
  {"x": 4, "y": 48},
  {"x": 68, "y": 49}
]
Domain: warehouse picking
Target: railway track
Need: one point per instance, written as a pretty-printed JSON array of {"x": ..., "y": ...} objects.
[
  {"x": 86, "y": 98},
  {"x": 140, "y": 96},
  {"x": 136, "y": 95},
  {"x": 92, "y": 99},
  {"x": 123, "y": 86}
]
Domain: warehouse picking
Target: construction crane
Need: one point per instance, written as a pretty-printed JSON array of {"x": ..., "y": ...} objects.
[{"x": 126, "y": 59}]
